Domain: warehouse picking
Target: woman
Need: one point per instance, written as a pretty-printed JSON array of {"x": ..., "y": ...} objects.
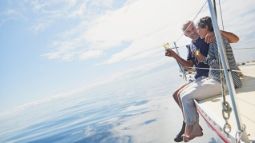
[{"x": 207, "y": 87}]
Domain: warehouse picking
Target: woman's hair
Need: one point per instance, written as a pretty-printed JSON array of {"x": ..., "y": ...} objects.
[{"x": 205, "y": 21}]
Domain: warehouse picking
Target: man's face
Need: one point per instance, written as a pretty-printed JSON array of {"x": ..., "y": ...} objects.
[{"x": 191, "y": 32}]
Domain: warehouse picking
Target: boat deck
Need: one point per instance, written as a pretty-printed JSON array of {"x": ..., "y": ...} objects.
[{"x": 245, "y": 99}]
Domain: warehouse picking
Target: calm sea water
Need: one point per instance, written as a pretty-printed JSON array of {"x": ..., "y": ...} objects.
[{"x": 134, "y": 110}]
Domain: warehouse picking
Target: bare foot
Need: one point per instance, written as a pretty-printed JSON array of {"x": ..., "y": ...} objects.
[
  {"x": 187, "y": 133},
  {"x": 192, "y": 132}
]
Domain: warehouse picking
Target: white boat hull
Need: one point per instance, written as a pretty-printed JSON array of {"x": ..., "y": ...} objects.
[{"x": 211, "y": 109}]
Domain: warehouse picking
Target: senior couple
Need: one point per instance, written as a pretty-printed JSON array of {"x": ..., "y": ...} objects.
[{"x": 203, "y": 54}]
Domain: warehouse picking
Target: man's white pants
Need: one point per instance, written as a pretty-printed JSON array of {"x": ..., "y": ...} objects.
[{"x": 200, "y": 89}]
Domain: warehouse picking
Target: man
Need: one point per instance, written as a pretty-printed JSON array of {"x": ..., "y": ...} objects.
[{"x": 202, "y": 46}]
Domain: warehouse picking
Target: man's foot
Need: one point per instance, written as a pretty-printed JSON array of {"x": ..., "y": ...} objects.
[
  {"x": 188, "y": 138},
  {"x": 192, "y": 131},
  {"x": 179, "y": 137}
]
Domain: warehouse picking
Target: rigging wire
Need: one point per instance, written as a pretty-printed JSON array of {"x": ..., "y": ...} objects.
[
  {"x": 200, "y": 10},
  {"x": 214, "y": 69},
  {"x": 244, "y": 48},
  {"x": 183, "y": 46},
  {"x": 221, "y": 15}
]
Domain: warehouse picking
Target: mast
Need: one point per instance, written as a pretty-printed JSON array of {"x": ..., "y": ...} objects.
[{"x": 227, "y": 71}]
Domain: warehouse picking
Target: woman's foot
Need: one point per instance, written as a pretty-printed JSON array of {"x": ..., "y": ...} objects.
[
  {"x": 179, "y": 137},
  {"x": 192, "y": 131}
]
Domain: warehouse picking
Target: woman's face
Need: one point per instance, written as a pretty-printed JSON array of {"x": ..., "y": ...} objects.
[{"x": 202, "y": 31}]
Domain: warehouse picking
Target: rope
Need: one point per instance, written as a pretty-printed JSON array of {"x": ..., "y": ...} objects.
[{"x": 226, "y": 108}]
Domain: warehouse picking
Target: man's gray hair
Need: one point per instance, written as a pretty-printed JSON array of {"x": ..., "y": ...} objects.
[{"x": 187, "y": 24}]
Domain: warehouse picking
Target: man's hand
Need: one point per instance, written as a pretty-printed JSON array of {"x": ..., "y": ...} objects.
[
  {"x": 209, "y": 37},
  {"x": 170, "y": 53}
]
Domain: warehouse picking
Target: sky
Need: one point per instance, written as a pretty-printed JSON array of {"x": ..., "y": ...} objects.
[{"x": 59, "y": 48}]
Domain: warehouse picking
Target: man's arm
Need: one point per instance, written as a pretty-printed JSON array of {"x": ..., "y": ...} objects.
[
  {"x": 184, "y": 63},
  {"x": 230, "y": 37}
]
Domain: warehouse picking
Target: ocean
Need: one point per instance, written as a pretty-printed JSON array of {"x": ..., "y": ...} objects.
[{"x": 137, "y": 110}]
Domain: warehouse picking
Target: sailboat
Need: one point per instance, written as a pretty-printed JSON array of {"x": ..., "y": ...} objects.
[
  {"x": 224, "y": 125},
  {"x": 231, "y": 116}
]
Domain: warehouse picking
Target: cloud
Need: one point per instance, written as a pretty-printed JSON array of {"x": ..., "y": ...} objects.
[
  {"x": 139, "y": 49},
  {"x": 70, "y": 44},
  {"x": 41, "y": 26},
  {"x": 90, "y": 54},
  {"x": 145, "y": 27},
  {"x": 80, "y": 11},
  {"x": 45, "y": 14},
  {"x": 48, "y": 13},
  {"x": 10, "y": 15},
  {"x": 66, "y": 50},
  {"x": 100, "y": 25}
]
